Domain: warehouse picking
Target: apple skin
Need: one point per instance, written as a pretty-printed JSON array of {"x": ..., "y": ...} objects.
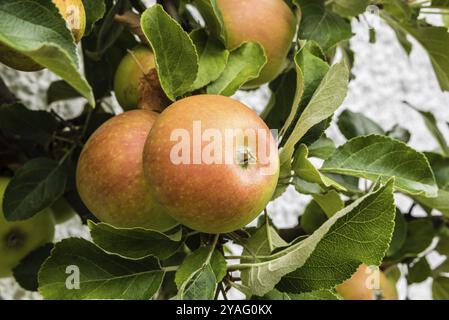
[
  {"x": 217, "y": 197},
  {"x": 74, "y": 14},
  {"x": 355, "y": 288},
  {"x": 268, "y": 22},
  {"x": 110, "y": 177},
  {"x": 19, "y": 238},
  {"x": 129, "y": 73}
]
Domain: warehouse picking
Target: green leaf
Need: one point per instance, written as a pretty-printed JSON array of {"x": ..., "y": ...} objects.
[
  {"x": 37, "y": 30},
  {"x": 35, "y": 186},
  {"x": 313, "y": 217},
  {"x": 440, "y": 203},
  {"x": 321, "y": 25},
  {"x": 60, "y": 90},
  {"x": 244, "y": 64},
  {"x": 399, "y": 133},
  {"x": 305, "y": 170},
  {"x": 16, "y": 121},
  {"x": 95, "y": 10},
  {"x": 212, "y": 16},
  {"x": 440, "y": 167},
  {"x": 175, "y": 54},
  {"x": 326, "y": 99},
  {"x": 420, "y": 234},
  {"x": 432, "y": 126},
  {"x": 379, "y": 157},
  {"x": 435, "y": 40},
  {"x": 419, "y": 271},
  {"x": 399, "y": 234},
  {"x": 26, "y": 272},
  {"x": 440, "y": 288},
  {"x": 353, "y": 124},
  {"x": 364, "y": 231},
  {"x": 101, "y": 276},
  {"x": 136, "y": 243},
  {"x": 360, "y": 233},
  {"x": 350, "y": 8},
  {"x": 263, "y": 242},
  {"x": 199, "y": 273},
  {"x": 283, "y": 91},
  {"x": 310, "y": 71},
  {"x": 322, "y": 148},
  {"x": 213, "y": 58},
  {"x": 330, "y": 202},
  {"x": 109, "y": 31}
]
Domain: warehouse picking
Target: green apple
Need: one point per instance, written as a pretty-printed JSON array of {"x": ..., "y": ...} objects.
[
  {"x": 110, "y": 177},
  {"x": 268, "y": 22},
  {"x": 359, "y": 286},
  {"x": 62, "y": 211},
  {"x": 19, "y": 238},
  {"x": 214, "y": 178},
  {"x": 134, "y": 65}
]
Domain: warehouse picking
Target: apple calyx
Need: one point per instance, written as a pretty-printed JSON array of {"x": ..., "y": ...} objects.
[
  {"x": 14, "y": 239},
  {"x": 151, "y": 95},
  {"x": 245, "y": 157}
]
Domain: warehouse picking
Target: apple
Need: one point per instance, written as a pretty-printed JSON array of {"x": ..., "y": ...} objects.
[
  {"x": 268, "y": 22},
  {"x": 134, "y": 65},
  {"x": 75, "y": 16},
  {"x": 62, "y": 211},
  {"x": 110, "y": 177},
  {"x": 358, "y": 286},
  {"x": 204, "y": 167},
  {"x": 19, "y": 238}
]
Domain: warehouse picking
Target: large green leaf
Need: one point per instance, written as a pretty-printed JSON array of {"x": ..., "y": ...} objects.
[
  {"x": 35, "y": 186},
  {"x": 213, "y": 57},
  {"x": 101, "y": 276},
  {"x": 379, "y": 157},
  {"x": 175, "y": 54},
  {"x": 244, "y": 64},
  {"x": 37, "y": 30},
  {"x": 364, "y": 227},
  {"x": 315, "y": 295},
  {"x": 135, "y": 243},
  {"x": 326, "y": 99},
  {"x": 360, "y": 233},
  {"x": 322, "y": 25}
]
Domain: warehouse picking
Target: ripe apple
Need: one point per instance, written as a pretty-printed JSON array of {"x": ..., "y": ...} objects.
[
  {"x": 205, "y": 169},
  {"x": 268, "y": 22},
  {"x": 359, "y": 286},
  {"x": 134, "y": 65},
  {"x": 19, "y": 238},
  {"x": 75, "y": 16},
  {"x": 110, "y": 177},
  {"x": 62, "y": 211}
]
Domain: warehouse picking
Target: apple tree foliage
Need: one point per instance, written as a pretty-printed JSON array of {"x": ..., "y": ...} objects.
[{"x": 351, "y": 217}]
